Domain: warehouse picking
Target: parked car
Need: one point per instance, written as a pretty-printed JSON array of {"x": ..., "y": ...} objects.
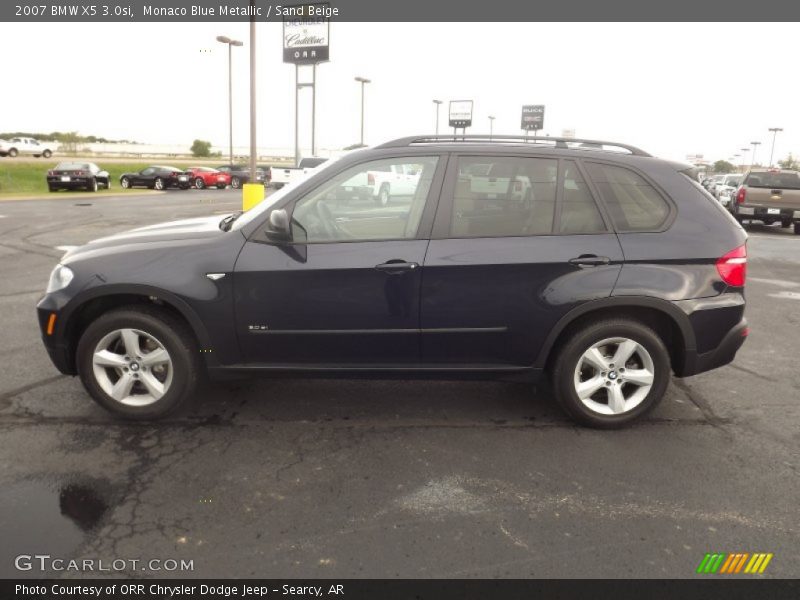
[
  {"x": 726, "y": 184},
  {"x": 240, "y": 174},
  {"x": 457, "y": 283},
  {"x": 22, "y": 145},
  {"x": 770, "y": 196},
  {"x": 712, "y": 185},
  {"x": 281, "y": 176},
  {"x": 157, "y": 178},
  {"x": 203, "y": 177},
  {"x": 381, "y": 185},
  {"x": 77, "y": 176}
]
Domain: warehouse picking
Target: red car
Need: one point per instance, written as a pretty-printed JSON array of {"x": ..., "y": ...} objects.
[{"x": 203, "y": 177}]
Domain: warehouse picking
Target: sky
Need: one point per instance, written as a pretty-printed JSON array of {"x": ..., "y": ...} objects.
[{"x": 673, "y": 89}]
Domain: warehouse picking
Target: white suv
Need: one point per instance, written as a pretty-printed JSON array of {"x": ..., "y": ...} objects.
[{"x": 22, "y": 145}]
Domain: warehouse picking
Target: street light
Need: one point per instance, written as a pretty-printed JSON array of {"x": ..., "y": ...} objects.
[
  {"x": 774, "y": 131},
  {"x": 753, "y": 155},
  {"x": 438, "y": 103},
  {"x": 363, "y": 81},
  {"x": 491, "y": 127},
  {"x": 231, "y": 43},
  {"x": 744, "y": 156}
]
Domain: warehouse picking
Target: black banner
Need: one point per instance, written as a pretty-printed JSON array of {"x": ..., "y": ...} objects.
[{"x": 402, "y": 589}]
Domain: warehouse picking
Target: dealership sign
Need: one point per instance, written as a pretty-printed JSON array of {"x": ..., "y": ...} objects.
[
  {"x": 533, "y": 117},
  {"x": 461, "y": 113},
  {"x": 306, "y": 38}
]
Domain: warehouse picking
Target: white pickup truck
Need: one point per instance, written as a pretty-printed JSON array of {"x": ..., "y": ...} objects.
[
  {"x": 282, "y": 177},
  {"x": 381, "y": 185},
  {"x": 20, "y": 145}
]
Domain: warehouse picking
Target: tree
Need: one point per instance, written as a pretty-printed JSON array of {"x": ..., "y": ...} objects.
[
  {"x": 723, "y": 166},
  {"x": 201, "y": 148},
  {"x": 790, "y": 162}
]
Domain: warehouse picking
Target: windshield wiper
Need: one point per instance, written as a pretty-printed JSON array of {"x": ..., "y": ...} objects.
[{"x": 225, "y": 224}]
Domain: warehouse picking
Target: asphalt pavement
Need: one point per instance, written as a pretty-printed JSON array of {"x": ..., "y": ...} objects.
[{"x": 320, "y": 478}]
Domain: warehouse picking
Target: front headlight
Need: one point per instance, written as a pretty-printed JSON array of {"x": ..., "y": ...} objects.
[{"x": 59, "y": 279}]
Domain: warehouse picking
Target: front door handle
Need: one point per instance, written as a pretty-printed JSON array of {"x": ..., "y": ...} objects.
[
  {"x": 589, "y": 260},
  {"x": 396, "y": 267}
]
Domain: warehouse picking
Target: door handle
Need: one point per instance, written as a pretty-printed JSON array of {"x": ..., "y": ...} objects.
[
  {"x": 589, "y": 260},
  {"x": 396, "y": 267}
]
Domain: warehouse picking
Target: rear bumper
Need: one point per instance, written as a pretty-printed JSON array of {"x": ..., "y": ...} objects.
[
  {"x": 718, "y": 357},
  {"x": 767, "y": 213}
]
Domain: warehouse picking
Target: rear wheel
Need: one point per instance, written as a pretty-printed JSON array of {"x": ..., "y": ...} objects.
[
  {"x": 199, "y": 183},
  {"x": 797, "y": 228},
  {"x": 13, "y": 152},
  {"x": 52, "y": 188},
  {"x": 139, "y": 362},
  {"x": 158, "y": 184},
  {"x": 220, "y": 186},
  {"x": 91, "y": 186},
  {"x": 383, "y": 195},
  {"x": 125, "y": 183},
  {"x": 611, "y": 373},
  {"x": 47, "y": 154},
  {"x": 236, "y": 183}
]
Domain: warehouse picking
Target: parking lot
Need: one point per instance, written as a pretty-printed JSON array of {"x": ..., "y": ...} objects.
[{"x": 321, "y": 478}]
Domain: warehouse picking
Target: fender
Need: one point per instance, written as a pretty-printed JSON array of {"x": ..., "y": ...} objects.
[{"x": 673, "y": 312}]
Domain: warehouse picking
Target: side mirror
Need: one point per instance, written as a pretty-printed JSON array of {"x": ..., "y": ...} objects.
[{"x": 278, "y": 228}]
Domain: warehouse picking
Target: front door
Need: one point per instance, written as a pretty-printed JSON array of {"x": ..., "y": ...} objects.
[{"x": 345, "y": 291}]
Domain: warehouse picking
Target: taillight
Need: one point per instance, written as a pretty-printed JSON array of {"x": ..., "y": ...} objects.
[
  {"x": 732, "y": 267},
  {"x": 741, "y": 195},
  {"x": 79, "y": 173},
  {"x": 370, "y": 179}
]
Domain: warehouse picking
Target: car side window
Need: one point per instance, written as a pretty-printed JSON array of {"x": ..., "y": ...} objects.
[
  {"x": 370, "y": 201},
  {"x": 148, "y": 171},
  {"x": 579, "y": 213},
  {"x": 633, "y": 204},
  {"x": 504, "y": 196}
]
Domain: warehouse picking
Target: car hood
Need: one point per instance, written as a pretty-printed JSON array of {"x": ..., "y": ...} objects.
[{"x": 184, "y": 229}]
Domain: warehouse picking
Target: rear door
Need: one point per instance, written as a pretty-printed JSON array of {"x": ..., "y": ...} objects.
[{"x": 504, "y": 266}]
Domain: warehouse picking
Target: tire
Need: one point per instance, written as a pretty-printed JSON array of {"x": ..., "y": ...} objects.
[
  {"x": 52, "y": 189},
  {"x": 158, "y": 184},
  {"x": 47, "y": 154},
  {"x": 36, "y": 155},
  {"x": 576, "y": 364},
  {"x": 786, "y": 223},
  {"x": 92, "y": 185},
  {"x": 383, "y": 195},
  {"x": 236, "y": 183},
  {"x": 13, "y": 153},
  {"x": 148, "y": 391},
  {"x": 797, "y": 228},
  {"x": 221, "y": 186},
  {"x": 125, "y": 183},
  {"x": 186, "y": 186},
  {"x": 199, "y": 183}
]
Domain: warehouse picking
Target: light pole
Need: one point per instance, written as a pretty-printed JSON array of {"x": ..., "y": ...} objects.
[
  {"x": 437, "y": 103},
  {"x": 744, "y": 156},
  {"x": 491, "y": 127},
  {"x": 363, "y": 81},
  {"x": 774, "y": 131},
  {"x": 753, "y": 155},
  {"x": 231, "y": 43}
]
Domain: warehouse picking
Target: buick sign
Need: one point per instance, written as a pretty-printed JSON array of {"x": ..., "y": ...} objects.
[{"x": 533, "y": 117}]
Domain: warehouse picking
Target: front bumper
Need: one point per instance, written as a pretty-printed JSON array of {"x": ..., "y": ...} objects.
[{"x": 59, "y": 351}]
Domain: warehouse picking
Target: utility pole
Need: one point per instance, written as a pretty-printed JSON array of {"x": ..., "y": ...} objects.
[
  {"x": 363, "y": 81},
  {"x": 231, "y": 43},
  {"x": 753, "y": 155},
  {"x": 437, "y": 103},
  {"x": 253, "y": 150},
  {"x": 491, "y": 127}
]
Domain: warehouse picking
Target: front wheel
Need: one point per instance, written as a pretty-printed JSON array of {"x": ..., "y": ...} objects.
[
  {"x": 611, "y": 373},
  {"x": 220, "y": 186},
  {"x": 13, "y": 153},
  {"x": 236, "y": 183},
  {"x": 797, "y": 228},
  {"x": 125, "y": 183},
  {"x": 139, "y": 362},
  {"x": 199, "y": 183},
  {"x": 158, "y": 184},
  {"x": 47, "y": 154},
  {"x": 383, "y": 195}
]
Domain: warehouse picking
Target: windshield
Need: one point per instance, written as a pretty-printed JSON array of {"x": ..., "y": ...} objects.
[
  {"x": 262, "y": 208},
  {"x": 774, "y": 180}
]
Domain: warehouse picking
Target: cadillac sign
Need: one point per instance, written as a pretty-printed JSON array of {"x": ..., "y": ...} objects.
[
  {"x": 533, "y": 117},
  {"x": 305, "y": 38},
  {"x": 460, "y": 113}
]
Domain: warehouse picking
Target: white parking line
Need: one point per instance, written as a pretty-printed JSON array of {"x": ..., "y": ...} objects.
[
  {"x": 778, "y": 282},
  {"x": 786, "y": 295},
  {"x": 784, "y": 238},
  {"x": 66, "y": 248}
]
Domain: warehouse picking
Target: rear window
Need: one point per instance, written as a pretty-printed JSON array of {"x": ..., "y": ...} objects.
[
  {"x": 633, "y": 204},
  {"x": 766, "y": 179}
]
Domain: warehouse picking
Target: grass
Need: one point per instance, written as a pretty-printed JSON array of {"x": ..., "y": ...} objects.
[{"x": 19, "y": 179}]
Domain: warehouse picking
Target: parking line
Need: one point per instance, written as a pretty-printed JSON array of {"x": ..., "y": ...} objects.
[{"x": 66, "y": 248}]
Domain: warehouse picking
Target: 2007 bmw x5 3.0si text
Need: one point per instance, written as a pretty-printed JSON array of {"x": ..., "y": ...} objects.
[{"x": 594, "y": 263}]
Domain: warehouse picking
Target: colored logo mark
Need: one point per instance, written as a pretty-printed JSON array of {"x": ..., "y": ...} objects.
[{"x": 732, "y": 563}]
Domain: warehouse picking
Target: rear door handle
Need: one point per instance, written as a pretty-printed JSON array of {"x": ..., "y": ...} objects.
[
  {"x": 397, "y": 267},
  {"x": 589, "y": 260}
]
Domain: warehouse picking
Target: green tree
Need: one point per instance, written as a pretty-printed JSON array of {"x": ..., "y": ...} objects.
[
  {"x": 723, "y": 166},
  {"x": 790, "y": 162},
  {"x": 201, "y": 148}
]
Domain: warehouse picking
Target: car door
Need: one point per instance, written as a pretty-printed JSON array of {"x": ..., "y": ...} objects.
[
  {"x": 345, "y": 290},
  {"x": 503, "y": 267},
  {"x": 145, "y": 177}
]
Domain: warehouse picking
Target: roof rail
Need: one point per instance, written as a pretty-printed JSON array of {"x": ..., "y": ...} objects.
[{"x": 557, "y": 142}]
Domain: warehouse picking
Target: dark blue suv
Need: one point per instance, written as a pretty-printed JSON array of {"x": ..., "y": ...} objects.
[{"x": 593, "y": 262}]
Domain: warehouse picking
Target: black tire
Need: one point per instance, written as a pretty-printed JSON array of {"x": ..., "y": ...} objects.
[
  {"x": 52, "y": 188},
  {"x": 797, "y": 228},
  {"x": 786, "y": 223},
  {"x": 564, "y": 368},
  {"x": 177, "y": 340},
  {"x": 158, "y": 184},
  {"x": 236, "y": 183},
  {"x": 91, "y": 186},
  {"x": 221, "y": 186},
  {"x": 47, "y": 154},
  {"x": 13, "y": 153},
  {"x": 125, "y": 183},
  {"x": 199, "y": 183},
  {"x": 383, "y": 195},
  {"x": 185, "y": 186}
]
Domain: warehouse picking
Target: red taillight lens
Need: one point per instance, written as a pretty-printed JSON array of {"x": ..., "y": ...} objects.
[
  {"x": 370, "y": 179},
  {"x": 732, "y": 267},
  {"x": 741, "y": 195}
]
